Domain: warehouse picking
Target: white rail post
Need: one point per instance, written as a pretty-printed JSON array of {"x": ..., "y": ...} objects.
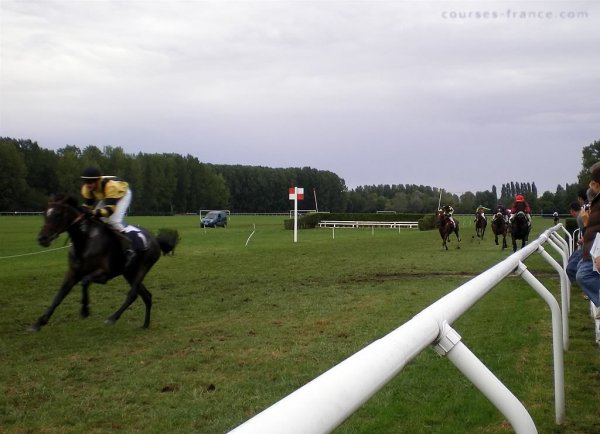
[
  {"x": 564, "y": 247},
  {"x": 450, "y": 345},
  {"x": 557, "y": 344},
  {"x": 564, "y": 302},
  {"x": 563, "y": 275}
]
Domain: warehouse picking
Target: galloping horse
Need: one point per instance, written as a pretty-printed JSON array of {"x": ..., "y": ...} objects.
[
  {"x": 96, "y": 257},
  {"x": 499, "y": 227},
  {"x": 519, "y": 230},
  {"x": 446, "y": 227},
  {"x": 480, "y": 225}
]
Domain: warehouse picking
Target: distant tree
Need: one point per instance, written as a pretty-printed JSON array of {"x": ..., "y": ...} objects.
[
  {"x": 68, "y": 169},
  {"x": 545, "y": 203},
  {"x": 13, "y": 172},
  {"x": 92, "y": 156},
  {"x": 42, "y": 180},
  {"x": 590, "y": 155}
]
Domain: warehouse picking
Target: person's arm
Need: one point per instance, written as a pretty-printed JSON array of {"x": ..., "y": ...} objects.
[{"x": 585, "y": 216}]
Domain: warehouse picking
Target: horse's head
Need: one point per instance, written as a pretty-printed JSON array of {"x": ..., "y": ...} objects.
[
  {"x": 61, "y": 212},
  {"x": 520, "y": 217},
  {"x": 498, "y": 216},
  {"x": 439, "y": 217}
]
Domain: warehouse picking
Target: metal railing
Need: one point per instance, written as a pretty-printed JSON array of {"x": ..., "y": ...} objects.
[{"x": 325, "y": 402}]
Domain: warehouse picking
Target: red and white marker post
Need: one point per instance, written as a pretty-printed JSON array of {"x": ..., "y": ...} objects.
[{"x": 296, "y": 194}]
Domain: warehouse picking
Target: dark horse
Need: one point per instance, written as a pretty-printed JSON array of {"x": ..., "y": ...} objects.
[
  {"x": 480, "y": 225},
  {"x": 95, "y": 256},
  {"x": 446, "y": 228},
  {"x": 499, "y": 227},
  {"x": 519, "y": 230}
]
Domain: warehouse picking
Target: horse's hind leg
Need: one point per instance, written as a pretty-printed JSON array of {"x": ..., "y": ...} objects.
[
  {"x": 137, "y": 289},
  {"x": 131, "y": 296},
  {"x": 85, "y": 301},
  {"x": 147, "y": 297}
]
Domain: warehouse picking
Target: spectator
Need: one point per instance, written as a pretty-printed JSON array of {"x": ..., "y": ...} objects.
[
  {"x": 574, "y": 210},
  {"x": 587, "y": 278}
]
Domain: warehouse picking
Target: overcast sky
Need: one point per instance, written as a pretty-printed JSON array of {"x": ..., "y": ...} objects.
[{"x": 456, "y": 95}]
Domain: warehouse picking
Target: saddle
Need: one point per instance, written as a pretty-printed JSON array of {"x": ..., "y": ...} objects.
[{"x": 136, "y": 237}]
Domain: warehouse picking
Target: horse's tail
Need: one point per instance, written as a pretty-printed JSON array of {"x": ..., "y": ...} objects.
[{"x": 168, "y": 240}]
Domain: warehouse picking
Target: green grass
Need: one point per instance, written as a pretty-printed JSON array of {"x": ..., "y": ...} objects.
[{"x": 235, "y": 328}]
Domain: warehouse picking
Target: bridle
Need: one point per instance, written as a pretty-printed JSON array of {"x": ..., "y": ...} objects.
[{"x": 80, "y": 215}]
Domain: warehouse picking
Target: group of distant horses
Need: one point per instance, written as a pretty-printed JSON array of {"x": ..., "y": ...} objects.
[{"x": 518, "y": 228}]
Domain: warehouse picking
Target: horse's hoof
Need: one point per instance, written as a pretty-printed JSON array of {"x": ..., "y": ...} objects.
[
  {"x": 110, "y": 321},
  {"x": 34, "y": 328}
]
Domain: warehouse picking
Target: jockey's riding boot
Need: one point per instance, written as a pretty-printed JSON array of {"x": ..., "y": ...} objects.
[{"x": 127, "y": 248}]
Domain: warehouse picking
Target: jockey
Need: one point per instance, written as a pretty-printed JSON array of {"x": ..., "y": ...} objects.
[
  {"x": 520, "y": 204},
  {"x": 481, "y": 210},
  {"x": 503, "y": 211},
  {"x": 108, "y": 197},
  {"x": 555, "y": 217},
  {"x": 448, "y": 211}
]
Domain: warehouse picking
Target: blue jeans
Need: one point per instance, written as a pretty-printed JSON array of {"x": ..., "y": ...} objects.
[
  {"x": 572, "y": 264},
  {"x": 589, "y": 281}
]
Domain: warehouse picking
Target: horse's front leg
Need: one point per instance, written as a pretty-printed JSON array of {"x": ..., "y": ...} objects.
[{"x": 68, "y": 282}]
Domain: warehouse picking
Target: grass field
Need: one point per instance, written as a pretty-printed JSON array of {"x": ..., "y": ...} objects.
[{"x": 235, "y": 328}]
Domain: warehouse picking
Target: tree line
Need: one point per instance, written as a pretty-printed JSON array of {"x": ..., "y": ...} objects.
[{"x": 169, "y": 183}]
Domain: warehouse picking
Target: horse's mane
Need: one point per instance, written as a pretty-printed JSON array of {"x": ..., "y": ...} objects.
[{"x": 65, "y": 198}]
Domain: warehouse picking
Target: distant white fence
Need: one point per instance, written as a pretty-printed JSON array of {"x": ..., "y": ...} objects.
[
  {"x": 20, "y": 213},
  {"x": 368, "y": 224},
  {"x": 324, "y": 403}
]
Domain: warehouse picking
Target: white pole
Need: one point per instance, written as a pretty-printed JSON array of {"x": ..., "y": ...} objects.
[
  {"x": 440, "y": 199},
  {"x": 295, "y": 214},
  {"x": 254, "y": 230},
  {"x": 316, "y": 205},
  {"x": 451, "y": 346}
]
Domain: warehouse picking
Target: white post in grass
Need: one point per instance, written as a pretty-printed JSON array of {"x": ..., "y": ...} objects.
[{"x": 295, "y": 194}]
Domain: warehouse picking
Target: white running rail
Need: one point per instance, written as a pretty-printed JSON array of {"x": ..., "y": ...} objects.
[{"x": 325, "y": 402}]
